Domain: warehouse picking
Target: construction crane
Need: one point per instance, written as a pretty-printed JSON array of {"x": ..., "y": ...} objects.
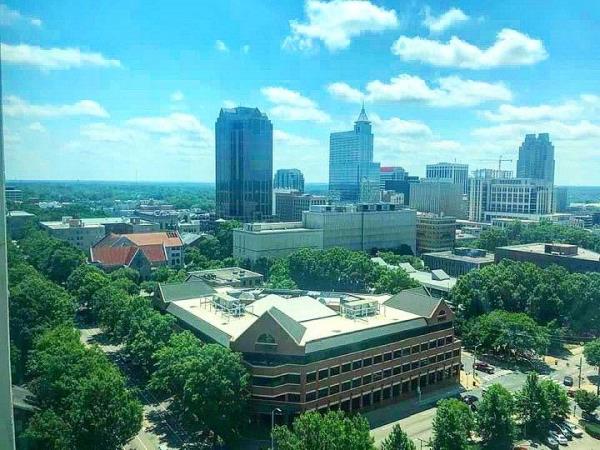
[{"x": 500, "y": 161}]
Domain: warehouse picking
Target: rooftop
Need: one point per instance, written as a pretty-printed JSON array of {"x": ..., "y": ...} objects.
[
  {"x": 225, "y": 275},
  {"x": 19, "y": 214},
  {"x": 166, "y": 238},
  {"x": 472, "y": 257},
  {"x": 540, "y": 248}
]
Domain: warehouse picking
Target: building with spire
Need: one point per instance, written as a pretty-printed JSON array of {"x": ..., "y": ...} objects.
[{"x": 352, "y": 172}]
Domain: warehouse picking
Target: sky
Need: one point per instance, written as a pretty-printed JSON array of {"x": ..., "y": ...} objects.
[{"x": 132, "y": 91}]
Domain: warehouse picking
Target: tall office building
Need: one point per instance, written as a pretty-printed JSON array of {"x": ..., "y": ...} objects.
[
  {"x": 351, "y": 161},
  {"x": 438, "y": 197},
  {"x": 244, "y": 164},
  {"x": 450, "y": 172},
  {"x": 536, "y": 158},
  {"x": 492, "y": 173},
  {"x": 518, "y": 198},
  {"x": 561, "y": 199},
  {"x": 289, "y": 179},
  {"x": 391, "y": 173}
]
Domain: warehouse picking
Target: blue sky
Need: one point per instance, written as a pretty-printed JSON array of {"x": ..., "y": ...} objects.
[{"x": 132, "y": 92}]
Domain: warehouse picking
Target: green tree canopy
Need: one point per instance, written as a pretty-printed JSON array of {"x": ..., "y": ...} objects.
[
  {"x": 558, "y": 402},
  {"x": 392, "y": 281},
  {"x": 330, "y": 431},
  {"x": 587, "y": 401},
  {"x": 452, "y": 425},
  {"x": 397, "y": 440},
  {"x": 533, "y": 406},
  {"x": 495, "y": 422}
]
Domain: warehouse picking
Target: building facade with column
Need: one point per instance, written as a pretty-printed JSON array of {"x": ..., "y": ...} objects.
[
  {"x": 244, "y": 164},
  {"x": 450, "y": 173},
  {"x": 351, "y": 166}
]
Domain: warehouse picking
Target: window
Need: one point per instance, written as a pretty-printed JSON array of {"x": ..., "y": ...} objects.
[
  {"x": 405, "y": 367},
  {"x": 415, "y": 349},
  {"x": 323, "y": 392},
  {"x": 367, "y": 379},
  {"x": 356, "y": 364},
  {"x": 424, "y": 346},
  {"x": 424, "y": 362},
  {"x": 293, "y": 398},
  {"x": 397, "y": 353},
  {"x": 356, "y": 382},
  {"x": 310, "y": 396},
  {"x": 311, "y": 377},
  {"x": 397, "y": 370},
  {"x": 455, "y": 353},
  {"x": 334, "y": 389},
  {"x": 406, "y": 351},
  {"x": 377, "y": 359},
  {"x": 346, "y": 385},
  {"x": 449, "y": 340},
  {"x": 440, "y": 342},
  {"x": 367, "y": 362},
  {"x": 414, "y": 365},
  {"x": 265, "y": 339},
  {"x": 335, "y": 370},
  {"x": 346, "y": 367},
  {"x": 377, "y": 376},
  {"x": 387, "y": 392},
  {"x": 387, "y": 373},
  {"x": 323, "y": 373},
  {"x": 376, "y": 396},
  {"x": 387, "y": 356},
  {"x": 432, "y": 344}
]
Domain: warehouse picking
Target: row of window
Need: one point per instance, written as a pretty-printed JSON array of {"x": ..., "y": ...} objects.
[{"x": 377, "y": 359}]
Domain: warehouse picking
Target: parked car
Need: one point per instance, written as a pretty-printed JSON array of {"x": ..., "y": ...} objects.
[
  {"x": 574, "y": 429},
  {"x": 568, "y": 380},
  {"x": 561, "y": 429},
  {"x": 484, "y": 367},
  {"x": 469, "y": 399},
  {"x": 551, "y": 442},
  {"x": 593, "y": 417},
  {"x": 561, "y": 439}
]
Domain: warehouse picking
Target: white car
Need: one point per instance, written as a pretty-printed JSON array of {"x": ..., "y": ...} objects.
[
  {"x": 574, "y": 429},
  {"x": 562, "y": 440}
]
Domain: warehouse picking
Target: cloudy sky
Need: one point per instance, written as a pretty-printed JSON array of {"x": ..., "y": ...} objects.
[{"x": 132, "y": 92}]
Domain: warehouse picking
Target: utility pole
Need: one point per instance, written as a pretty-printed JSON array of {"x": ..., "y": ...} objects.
[
  {"x": 7, "y": 426},
  {"x": 580, "y": 365}
]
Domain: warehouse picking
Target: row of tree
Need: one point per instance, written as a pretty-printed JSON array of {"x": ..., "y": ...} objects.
[{"x": 551, "y": 296}]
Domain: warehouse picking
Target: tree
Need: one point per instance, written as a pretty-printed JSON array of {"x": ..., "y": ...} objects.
[
  {"x": 392, "y": 281},
  {"x": 511, "y": 334},
  {"x": 558, "y": 402},
  {"x": 452, "y": 425},
  {"x": 533, "y": 407},
  {"x": 397, "y": 440},
  {"x": 331, "y": 431},
  {"x": 587, "y": 401},
  {"x": 108, "y": 306},
  {"x": 494, "y": 418},
  {"x": 62, "y": 262},
  {"x": 85, "y": 281},
  {"x": 209, "y": 383},
  {"x": 126, "y": 272},
  {"x": 591, "y": 350}
]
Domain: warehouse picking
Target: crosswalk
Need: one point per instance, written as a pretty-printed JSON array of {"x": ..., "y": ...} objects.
[{"x": 492, "y": 376}]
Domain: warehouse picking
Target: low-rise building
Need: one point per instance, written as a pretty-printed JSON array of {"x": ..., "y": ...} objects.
[
  {"x": 13, "y": 194},
  {"x": 234, "y": 277},
  {"x": 362, "y": 227},
  {"x": 290, "y": 205},
  {"x": 123, "y": 225},
  {"x": 17, "y": 222},
  {"x": 459, "y": 261},
  {"x": 435, "y": 234},
  {"x": 571, "y": 257},
  {"x": 161, "y": 248},
  {"x": 359, "y": 353},
  {"x": 142, "y": 259},
  {"x": 77, "y": 232}
]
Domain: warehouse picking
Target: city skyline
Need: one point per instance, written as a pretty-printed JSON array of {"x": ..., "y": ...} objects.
[{"x": 95, "y": 98}]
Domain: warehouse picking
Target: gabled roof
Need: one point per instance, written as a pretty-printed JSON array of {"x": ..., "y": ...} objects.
[
  {"x": 170, "y": 292},
  {"x": 113, "y": 256},
  {"x": 154, "y": 253},
  {"x": 293, "y": 328},
  {"x": 298, "y": 309},
  {"x": 166, "y": 238},
  {"x": 416, "y": 301}
]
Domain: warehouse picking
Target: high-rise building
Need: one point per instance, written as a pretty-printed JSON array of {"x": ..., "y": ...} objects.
[
  {"x": 290, "y": 205},
  {"x": 438, "y": 197},
  {"x": 536, "y": 158},
  {"x": 351, "y": 161},
  {"x": 519, "y": 198},
  {"x": 289, "y": 179},
  {"x": 561, "y": 195},
  {"x": 450, "y": 172},
  {"x": 244, "y": 164},
  {"x": 391, "y": 173},
  {"x": 402, "y": 186}
]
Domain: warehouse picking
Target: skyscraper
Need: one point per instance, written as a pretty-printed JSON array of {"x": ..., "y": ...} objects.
[
  {"x": 449, "y": 172},
  {"x": 351, "y": 161},
  {"x": 289, "y": 179},
  {"x": 244, "y": 164},
  {"x": 391, "y": 173},
  {"x": 536, "y": 158}
]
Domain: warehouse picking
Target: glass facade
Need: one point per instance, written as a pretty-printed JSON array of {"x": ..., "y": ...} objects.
[{"x": 244, "y": 164}]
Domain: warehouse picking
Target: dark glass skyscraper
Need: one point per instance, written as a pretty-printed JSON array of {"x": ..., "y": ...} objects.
[
  {"x": 244, "y": 164},
  {"x": 289, "y": 179},
  {"x": 536, "y": 158}
]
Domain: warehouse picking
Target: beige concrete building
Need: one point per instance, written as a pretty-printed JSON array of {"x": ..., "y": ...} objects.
[
  {"x": 435, "y": 234},
  {"x": 438, "y": 197},
  {"x": 76, "y": 232}
]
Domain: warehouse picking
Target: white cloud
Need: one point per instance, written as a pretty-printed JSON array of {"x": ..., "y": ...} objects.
[
  {"x": 229, "y": 104},
  {"x": 10, "y": 16},
  {"x": 450, "y": 91},
  {"x": 17, "y": 107},
  {"x": 337, "y": 22},
  {"x": 173, "y": 123},
  {"x": 53, "y": 58},
  {"x": 511, "y": 48},
  {"x": 345, "y": 92},
  {"x": 245, "y": 49},
  {"x": 102, "y": 132},
  {"x": 397, "y": 127},
  {"x": 287, "y": 139},
  {"x": 177, "y": 96},
  {"x": 221, "y": 46},
  {"x": 447, "y": 20},
  {"x": 586, "y": 105},
  {"x": 37, "y": 126},
  {"x": 583, "y": 129},
  {"x": 291, "y": 105}
]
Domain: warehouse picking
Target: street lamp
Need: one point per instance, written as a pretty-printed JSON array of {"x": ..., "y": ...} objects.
[{"x": 275, "y": 411}]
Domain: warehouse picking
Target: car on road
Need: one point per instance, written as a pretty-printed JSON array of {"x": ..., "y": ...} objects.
[
  {"x": 574, "y": 429},
  {"x": 484, "y": 367},
  {"x": 568, "y": 380},
  {"x": 561, "y": 429},
  {"x": 560, "y": 438},
  {"x": 469, "y": 399}
]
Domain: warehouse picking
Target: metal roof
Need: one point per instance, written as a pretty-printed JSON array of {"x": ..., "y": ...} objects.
[{"x": 416, "y": 301}]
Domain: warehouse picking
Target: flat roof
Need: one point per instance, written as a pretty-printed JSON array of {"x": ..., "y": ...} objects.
[
  {"x": 66, "y": 226},
  {"x": 20, "y": 214},
  {"x": 489, "y": 257},
  {"x": 539, "y": 248},
  {"x": 319, "y": 321}
]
